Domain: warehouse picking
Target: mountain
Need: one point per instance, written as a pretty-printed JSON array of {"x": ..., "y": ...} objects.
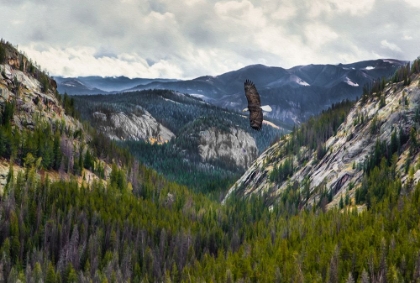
[
  {"x": 97, "y": 85},
  {"x": 170, "y": 131},
  {"x": 76, "y": 207},
  {"x": 39, "y": 129},
  {"x": 335, "y": 154},
  {"x": 295, "y": 94}
]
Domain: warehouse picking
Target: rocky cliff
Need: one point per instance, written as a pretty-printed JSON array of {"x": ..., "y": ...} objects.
[
  {"x": 137, "y": 125},
  {"x": 33, "y": 98},
  {"x": 235, "y": 146},
  {"x": 374, "y": 119}
]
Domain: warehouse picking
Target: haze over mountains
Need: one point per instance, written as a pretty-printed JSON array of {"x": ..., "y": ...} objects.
[{"x": 294, "y": 94}]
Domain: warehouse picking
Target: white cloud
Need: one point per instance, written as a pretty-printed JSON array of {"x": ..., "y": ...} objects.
[
  {"x": 391, "y": 46},
  {"x": 413, "y": 3},
  {"x": 285, "y": 11},
  {"x": 357, "y": 8},
  {"x": 317, "y": 8},
  {"x": 243, "y": 13},
  {"x": 190, "y": 38},
  {"x": 319, "y": 35},
  {"x": 80, "y": 61}
]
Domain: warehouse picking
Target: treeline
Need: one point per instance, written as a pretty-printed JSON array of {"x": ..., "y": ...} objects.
[
  {"x": 402, "y": 74},
  {"x": 317, "y": 130}
]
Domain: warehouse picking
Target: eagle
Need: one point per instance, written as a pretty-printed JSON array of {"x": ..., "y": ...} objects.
[{"x": 254, "y": 105}]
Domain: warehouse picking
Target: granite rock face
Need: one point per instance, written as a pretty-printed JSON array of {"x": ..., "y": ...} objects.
[
  {"x": 341, "y": 168},
  {"x": 235, "y": 146},
  {"x": 133, "y": 126}
]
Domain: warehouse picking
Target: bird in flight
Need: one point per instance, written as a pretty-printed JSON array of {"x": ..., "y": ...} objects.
[{"x": 254, "y": 105}]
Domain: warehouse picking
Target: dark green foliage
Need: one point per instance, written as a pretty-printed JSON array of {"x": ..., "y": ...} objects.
[
  {"x": 68, "y": 105},
  {"x": 403, "y": 75},
  {"x": 374, "y": 88},
  {"x": 379, "y": 168},
  {"x": 171, "y": 162},
  {"x": 415, "y": 68},
  {"x": 2, "y": 54},
  {"x": 46, "y": 143},
  {"x": 117, "y": 178},
  {"x": 63, "y": 232},
  {"x": 89, "y": 232},
  {"x": 385, "y": 150},
  {"x": 321, "y": 151},
  {"x": 88, "y": 161},
  {"x": 45, "y": 82},
  {"x": 317, "y": 130},
  {"x": 282, "y": 172},
  {"x": 7, "y": 113},
  {"x": 382, "y": 102}
]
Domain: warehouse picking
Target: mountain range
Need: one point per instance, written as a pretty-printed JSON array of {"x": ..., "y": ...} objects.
[{"x": 294, "y": 94}]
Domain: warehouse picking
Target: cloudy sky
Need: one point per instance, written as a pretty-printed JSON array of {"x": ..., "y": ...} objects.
[{"x": 190, "y": 38}]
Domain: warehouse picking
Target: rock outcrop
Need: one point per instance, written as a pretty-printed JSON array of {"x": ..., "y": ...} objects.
[
  {"x": 35, "y": 102},
  {"x": 236, "y": 146},
  {"x": 138, "y": 125}
]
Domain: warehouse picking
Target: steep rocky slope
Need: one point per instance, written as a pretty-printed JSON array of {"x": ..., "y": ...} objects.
[
  {"x": 34, "y": 103},
  {"x": 236, "y": 145},
  {"x": 136, "y": 125},
  {"x": 379, "y": 117}
]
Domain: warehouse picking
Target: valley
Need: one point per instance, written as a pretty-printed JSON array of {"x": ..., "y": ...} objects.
[
  {"x": 189, "y": 141},
  {"x": 162, "y": 186}
]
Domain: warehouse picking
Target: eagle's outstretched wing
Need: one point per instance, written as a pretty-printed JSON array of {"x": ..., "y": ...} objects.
[{"x": 254, "y": 105}]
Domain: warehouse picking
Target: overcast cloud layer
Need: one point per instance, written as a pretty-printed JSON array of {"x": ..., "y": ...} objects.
[{"x": 190, "y": 38}]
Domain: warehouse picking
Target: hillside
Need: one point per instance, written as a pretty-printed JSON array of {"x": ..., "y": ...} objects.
[
  {"x": 186, "y": 139},
  {"x": 36, "y": 125},
  {"x": 336, "y": 162}
]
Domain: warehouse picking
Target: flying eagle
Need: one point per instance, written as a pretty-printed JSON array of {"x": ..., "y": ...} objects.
[{"x": 254, "y": 105}]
